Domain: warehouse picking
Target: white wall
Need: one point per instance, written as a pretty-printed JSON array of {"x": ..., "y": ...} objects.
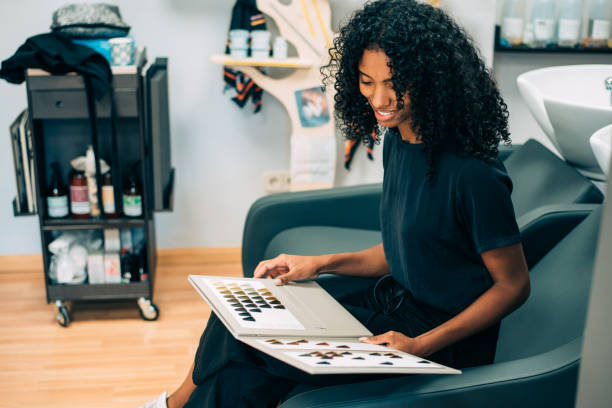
[{"x": 220, "y": 151}]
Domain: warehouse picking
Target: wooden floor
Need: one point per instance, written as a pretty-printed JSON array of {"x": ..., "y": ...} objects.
[{"x": 108, "y": 356}]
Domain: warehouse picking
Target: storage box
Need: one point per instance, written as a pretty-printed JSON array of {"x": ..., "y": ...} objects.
[
  {"x": 95, "y": 267},
  {"x": 112, "y": 267}
]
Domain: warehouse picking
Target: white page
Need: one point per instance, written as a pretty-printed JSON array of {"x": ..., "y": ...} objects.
[
  {"x": 288, "y": 343},
  {"x": 252, "y": 304},
  {"x": 358, "y": 359}
]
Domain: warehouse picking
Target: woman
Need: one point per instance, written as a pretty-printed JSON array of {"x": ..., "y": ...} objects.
[{"x": 451, "y": 262}]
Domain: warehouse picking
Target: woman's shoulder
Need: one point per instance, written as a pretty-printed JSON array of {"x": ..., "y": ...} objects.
[{"x": 475, "y": 171}]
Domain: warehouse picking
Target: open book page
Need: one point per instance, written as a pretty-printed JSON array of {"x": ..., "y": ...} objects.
[
  {"x": 302, "y": 325},
  {"x": 253, "y": 305},
  {"x": 257, "y": 307},
  {"x": 336, "y": 356}
]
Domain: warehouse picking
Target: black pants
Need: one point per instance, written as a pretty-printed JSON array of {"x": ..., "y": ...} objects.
[{"x": 229, "y": 373}]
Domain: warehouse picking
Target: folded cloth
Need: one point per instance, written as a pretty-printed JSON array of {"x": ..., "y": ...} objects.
[
  {"x": 86, "y": 20},
  {"x": 57, "y": 54}
]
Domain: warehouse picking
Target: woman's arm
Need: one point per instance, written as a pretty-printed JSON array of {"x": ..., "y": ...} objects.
[
  {"x": 370, "y": 262},
  {"x": 510, "y": 289}
]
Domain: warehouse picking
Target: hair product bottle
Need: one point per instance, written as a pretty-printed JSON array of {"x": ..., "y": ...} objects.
[
  {"x": 108, "y": 196},
  {"x": 79, "y": 197},
  {"x": 568, "y": 31},
  {"x": 132, "y": 197},
  {"x": 57, "y": 194},
  {"x": 513, "y": 19},
  {"x": 543, "y": 19},
  {"x": 598, "y": 30}
]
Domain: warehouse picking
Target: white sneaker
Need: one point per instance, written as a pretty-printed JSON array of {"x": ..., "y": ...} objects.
[{"x": 159, "y": 402}]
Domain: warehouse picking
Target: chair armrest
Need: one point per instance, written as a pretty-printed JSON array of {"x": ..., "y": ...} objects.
[
  {"x": 347, "y": 207},
  {"x": 547, "y": 379},
  {"x": 544, "y": 227},
  {"x": 505, "y": 151}
]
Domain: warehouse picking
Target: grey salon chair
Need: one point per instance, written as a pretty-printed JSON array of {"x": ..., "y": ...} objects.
[
  {"x": 538, "y": 352},
  {"x": 539, "y": 345}
]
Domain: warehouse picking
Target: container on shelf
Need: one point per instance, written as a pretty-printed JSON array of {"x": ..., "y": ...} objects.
[
  {"x": 108, "y": 196},
  {"x": 279, "y": 49},
  {"x": 57, "y": 194},
  {"x": 599, "y": 25},
  {"x": 238, "y": 43},
  {"x": 513, "y": 20},
  {"x": 543, "y": 20},
  {"x": 132, "y": 195},
  {"x": 568, "y": 29},
  {"x": 79, "y": 195}
]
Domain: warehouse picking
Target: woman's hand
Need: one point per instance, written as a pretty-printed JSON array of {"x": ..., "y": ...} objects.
[
  {"x": 398, "y": 341},
  {"x": 287, "y": 268}
]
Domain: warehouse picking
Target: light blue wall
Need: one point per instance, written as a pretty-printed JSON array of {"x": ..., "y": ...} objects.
[{"x": 220, "y": 152}]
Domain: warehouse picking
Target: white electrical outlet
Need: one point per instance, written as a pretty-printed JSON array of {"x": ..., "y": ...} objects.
[{"x": 277, "y": 181}]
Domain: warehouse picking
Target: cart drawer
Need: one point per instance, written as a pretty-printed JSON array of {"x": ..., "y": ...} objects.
[{"x": 72, "y": 104}]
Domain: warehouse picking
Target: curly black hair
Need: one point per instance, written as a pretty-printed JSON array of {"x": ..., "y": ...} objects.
[{"x": 455, "y": 104}]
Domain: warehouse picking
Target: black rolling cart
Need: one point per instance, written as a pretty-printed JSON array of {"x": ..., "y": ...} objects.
[{"x": 60, "y": 125}]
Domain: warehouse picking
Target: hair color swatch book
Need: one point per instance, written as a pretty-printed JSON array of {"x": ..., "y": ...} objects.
[{"x": 302, "y": 325}]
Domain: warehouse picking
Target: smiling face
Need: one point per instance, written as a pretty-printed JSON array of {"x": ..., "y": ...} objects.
[{"x": 376, "y": 86}]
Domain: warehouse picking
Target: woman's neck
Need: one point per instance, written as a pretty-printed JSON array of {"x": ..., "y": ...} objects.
[{"x": 407, "y": 134}]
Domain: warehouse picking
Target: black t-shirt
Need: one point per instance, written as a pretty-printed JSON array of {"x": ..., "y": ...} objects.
[{"x": 435, "y": 230}]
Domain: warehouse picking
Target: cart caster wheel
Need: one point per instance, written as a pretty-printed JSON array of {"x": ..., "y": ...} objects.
[
  {"x": 148, "y": 310},
  {"x": 63, "y": 317}
]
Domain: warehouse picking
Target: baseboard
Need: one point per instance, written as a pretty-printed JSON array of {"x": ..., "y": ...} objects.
[{"x": 165, "y": 257}]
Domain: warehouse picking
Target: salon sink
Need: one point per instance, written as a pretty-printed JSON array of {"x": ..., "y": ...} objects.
[
  {"x": 570, "y": 103},
  {"x": 601, "y": 143}
]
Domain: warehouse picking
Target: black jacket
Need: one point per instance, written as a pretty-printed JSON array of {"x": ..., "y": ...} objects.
[{"x": 57, "y": 54}]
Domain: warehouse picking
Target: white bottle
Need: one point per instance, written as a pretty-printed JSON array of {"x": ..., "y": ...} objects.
[
  {"x": 599, "y": 24},
  {"x": 513, "y": 19},
  {"x": 279, "y": 49},
  {"x": 570, "y": 13},
  {"x": 543, "y": 19}
]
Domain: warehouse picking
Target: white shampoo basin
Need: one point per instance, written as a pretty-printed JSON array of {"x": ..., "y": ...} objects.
[
  {"x": 570, "y": 103},
  {"x": 601, "y": 143}
]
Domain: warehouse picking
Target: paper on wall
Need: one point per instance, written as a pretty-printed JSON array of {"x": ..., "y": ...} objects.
[{"x": 313, "y": 161}]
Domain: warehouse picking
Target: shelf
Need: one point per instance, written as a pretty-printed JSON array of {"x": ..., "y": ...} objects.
[
  {"x": 224, "y": 59},
  {"x": 545, "y": 50},
  {"x": 99, "y": 291},
  {"x": 74, "y": 224},
  {"x": 553, "y": 50}
]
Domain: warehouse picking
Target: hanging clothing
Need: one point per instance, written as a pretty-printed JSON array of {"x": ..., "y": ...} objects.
[
  {"x": 57, "y": 54},
  {"x": 245, "y": 16},
  {"x": 351, "y": 145}
]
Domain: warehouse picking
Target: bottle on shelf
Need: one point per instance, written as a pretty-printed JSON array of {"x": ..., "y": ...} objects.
[
  {"x": 79, "y": 195},
  {"x": 543, "y": 20},
  {"x": 92, "y": 184},
  {"x": 513, "y": 20},
  {"x": 598, "y": 29},
  {"x": 568, "y": 30},
  {"x": 57, "y": 194},
  {"x": 108, "y": 196},
  {"x": 132, "y": 196}
]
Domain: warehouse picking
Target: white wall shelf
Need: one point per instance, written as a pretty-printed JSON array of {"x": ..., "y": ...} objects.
[{"x": 293, "y": 62}]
